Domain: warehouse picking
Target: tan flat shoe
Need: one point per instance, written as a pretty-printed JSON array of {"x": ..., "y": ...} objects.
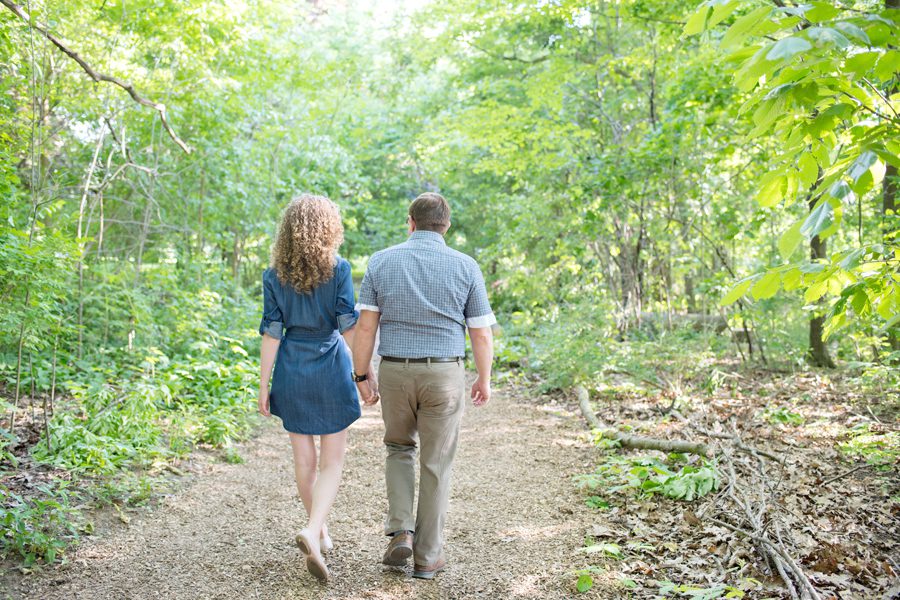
[
  {"x": 325, "y": 545},
  {"x": 314, "y": 563}
]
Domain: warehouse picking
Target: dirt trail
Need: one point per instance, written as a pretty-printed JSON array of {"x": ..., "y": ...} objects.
[{"x": 514, "y": 525}]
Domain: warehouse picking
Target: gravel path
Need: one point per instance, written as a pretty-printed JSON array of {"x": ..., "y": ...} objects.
[{"x": 515, "y": 522}]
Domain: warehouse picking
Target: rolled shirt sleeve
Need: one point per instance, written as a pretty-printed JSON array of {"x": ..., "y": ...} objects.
[
  {"x": 346, "y": 315},
  {"x": 478, "y": 311},
  {"x": 272, "y": 322},
  {"x": 368, "y": 296}
]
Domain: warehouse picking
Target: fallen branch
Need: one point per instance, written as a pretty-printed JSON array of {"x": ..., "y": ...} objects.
[
  {"x": 157, "y": 106},
  {"x": 846, "y": 473},
  {"x": 634, "y": 441}
]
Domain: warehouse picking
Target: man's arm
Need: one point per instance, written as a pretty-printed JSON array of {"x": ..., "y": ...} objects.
[
  {"x": 363, "y": 347},
  {"x": 483, "y": 349}
]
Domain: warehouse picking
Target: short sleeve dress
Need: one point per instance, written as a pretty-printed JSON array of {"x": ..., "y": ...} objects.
[{"x": 312, "y": 389}]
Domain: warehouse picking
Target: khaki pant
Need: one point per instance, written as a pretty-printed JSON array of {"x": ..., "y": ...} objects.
[{"x": 420, "y": 402}]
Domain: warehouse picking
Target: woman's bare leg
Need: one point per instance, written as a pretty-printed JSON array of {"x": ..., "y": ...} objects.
[
  {"x": 331, "y": 464},
  {"x": 304, "y": 450}
]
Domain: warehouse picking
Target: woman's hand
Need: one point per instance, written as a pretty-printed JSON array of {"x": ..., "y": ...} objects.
[
  {"x": 373, "y": 384},
  {"x": 263, "y": 402}
]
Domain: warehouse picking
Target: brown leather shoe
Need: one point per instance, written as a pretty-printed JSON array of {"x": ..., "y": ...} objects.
[
  {"x": 399, "y": 550},
  {"x": 422, "y": 572}
]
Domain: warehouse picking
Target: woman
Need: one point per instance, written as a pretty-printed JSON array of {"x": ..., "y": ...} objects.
[{"x": 307, "y": 308}]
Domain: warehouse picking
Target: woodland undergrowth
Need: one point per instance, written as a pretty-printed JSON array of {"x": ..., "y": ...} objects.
[
  {"x": 796, "y": 498},
  {"x": 111, "y": 427}
]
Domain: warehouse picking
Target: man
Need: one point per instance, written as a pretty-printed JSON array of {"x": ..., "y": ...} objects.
[{"x": 424, "y": 295}]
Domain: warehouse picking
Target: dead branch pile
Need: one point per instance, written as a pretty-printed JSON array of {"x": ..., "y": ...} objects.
[{"x": 746, "y": 505}]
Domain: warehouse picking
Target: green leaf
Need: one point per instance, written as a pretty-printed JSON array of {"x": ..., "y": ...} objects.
[
  {"x": 786, "y": 48},
  {"x": 820, "y": 11},
  {"x": 745, "y": 26},
  {"x": 585, "y": 582},
  {"x": 815, "y": 291},
  {"x": 853, "y": 31},
  {"x": 860, "y": 303},
  {"x": 736, "y": 292},
  {"x": 862, "y": 63},
  {"x": 852, "y": 260},
  {"x": 840, "y": 190},
  {"x": 809, "y": 170},
  {"x": 862, "y": 164},
  {"x": 697, "y": 21},
  {"x": 888, "y": 64},
  {"x": 767, "y": 286},
  {"x": 721, "y": 11},
  {"x": 771, "y": 191},
  {"x": 789, "y": 240},
  {"x": 819, "y": 219},
  {"x": 826, "y": 36}
]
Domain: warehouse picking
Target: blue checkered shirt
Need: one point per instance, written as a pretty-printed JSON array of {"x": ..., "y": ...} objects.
[{"x": 427, "y": 295}]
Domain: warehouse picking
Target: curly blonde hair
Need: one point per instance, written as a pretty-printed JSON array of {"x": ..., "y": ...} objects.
[{"x": 305, "y": 252}]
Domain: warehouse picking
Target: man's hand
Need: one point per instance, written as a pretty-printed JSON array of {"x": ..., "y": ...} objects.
[
  {"x": 263, "y": 403},
  {"x": 481, "y": 391}
]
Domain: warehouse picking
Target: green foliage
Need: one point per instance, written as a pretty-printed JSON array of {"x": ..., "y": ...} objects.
[
  {"x": 607, "y": 549},
  {"x": 37, "y": 527},
  {"x": 668, "y": 589},
  {"x": 648, "y": 476},
  {"x": 171, "y": 405},
  {"x": 817, "y": 81},
  {"x": 585, "y": 578},
  {"x": 782, "y": 415},
  {"x": 877, "y": 448}
]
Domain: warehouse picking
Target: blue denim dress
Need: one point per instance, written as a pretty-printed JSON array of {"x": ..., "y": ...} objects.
[{"x": 312, "y": 389}]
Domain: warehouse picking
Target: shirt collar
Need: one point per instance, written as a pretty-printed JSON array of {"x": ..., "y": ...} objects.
[{"x": 427, "y": 236}]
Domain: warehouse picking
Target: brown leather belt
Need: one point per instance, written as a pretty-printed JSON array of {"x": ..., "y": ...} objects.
[{"x": 428, "y": 360}]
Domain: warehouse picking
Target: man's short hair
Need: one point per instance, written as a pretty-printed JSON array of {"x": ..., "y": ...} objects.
[{"x": 431, "y": 212}]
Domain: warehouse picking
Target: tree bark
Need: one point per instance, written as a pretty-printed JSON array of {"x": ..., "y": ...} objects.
[
  {"x": 889, "y": 219},
  {"x": 818, "y": 351},
  {"x": 889, "y": 203}
]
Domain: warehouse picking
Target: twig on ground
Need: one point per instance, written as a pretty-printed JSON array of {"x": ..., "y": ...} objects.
[{"x": 846, "y": 473}]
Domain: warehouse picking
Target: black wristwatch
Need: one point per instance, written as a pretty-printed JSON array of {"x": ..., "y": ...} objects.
[{"x": 358, "y": 378}]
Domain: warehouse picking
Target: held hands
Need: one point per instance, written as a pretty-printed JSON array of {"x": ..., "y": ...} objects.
[
  {"x": 263, "y": 402},
  {"x": 481, "y": 391},
  {"x": 368, "y": 389}
]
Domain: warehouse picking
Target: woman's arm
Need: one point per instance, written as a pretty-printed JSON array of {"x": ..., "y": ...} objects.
[{"x": 268, "y": 351}]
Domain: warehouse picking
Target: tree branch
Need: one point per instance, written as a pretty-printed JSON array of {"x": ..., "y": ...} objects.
[
  {"x": 634, "y": 441},
  {"x": 157, "y": 106},
  {"x": 513, "y": 57}
]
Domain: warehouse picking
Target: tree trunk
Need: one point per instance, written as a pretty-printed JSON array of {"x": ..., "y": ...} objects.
[
  {"x": 81, "y": 235},
  {"x": 689, "y": 293},
  {"x": 202, "y": 241},
  {"x": 889, "y": 204},
  {"x": 818, "y": 351}
]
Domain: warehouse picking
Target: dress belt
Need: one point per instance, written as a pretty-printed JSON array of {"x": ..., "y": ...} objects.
[
  {"x": 295, "y": 333},
  {"x": 429, "y": 360}
]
